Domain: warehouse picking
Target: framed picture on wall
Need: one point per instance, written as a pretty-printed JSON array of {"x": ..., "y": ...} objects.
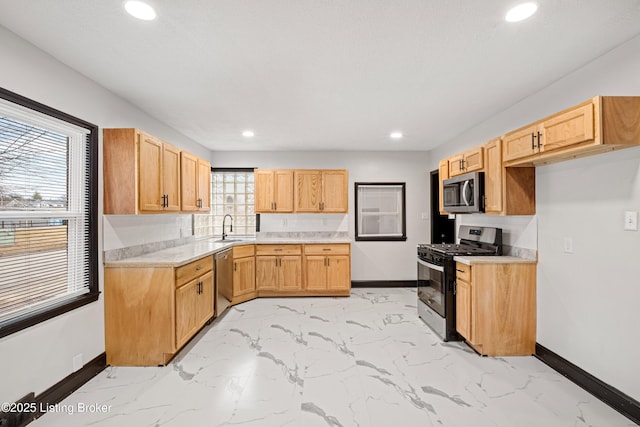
[{"x": 380, "y": 211}]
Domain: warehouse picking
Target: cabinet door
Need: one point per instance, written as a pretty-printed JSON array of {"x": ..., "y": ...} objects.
[
  {"x": 571, "y": 127},
  {"x": 244, "y": 279},
  {"x": 493, "y": 176},
  {"x": 171, "y": 176},
  {"x": 150, "y": 173},
  {"x": 443, "y": 174},
  {"x": 205, "y": 298},
  {"x": 188, "y": 181},
  {"x": 290, "y": 273},
  {"x": 307, "y": 190},
  {"x": 267, "y": 273},
  {"x": 264, "y": 190},
  {"x": 203, "y": 199},
  {"x": 338, "y": 272},
  {"x": 334, "y": 191},
  {"x": 186, "y": 311},
  {"x": 473, "y": 160},
  {"x": 455, "y": 165},
  {"x": 520, "y": 143},
  {"x": 316, "y": 272},
  {"x": 463, "y": 309},
  {"x": 283, "y": 193}
]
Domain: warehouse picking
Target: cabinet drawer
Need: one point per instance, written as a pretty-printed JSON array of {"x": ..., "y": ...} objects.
[
  {"x": 192, "y": 270},
  {"x": 335, "y": 249},
  {"x": 278, "y": 249},
  {"x": 243, "y": 251},
  {"x": 463, "y": 272}
]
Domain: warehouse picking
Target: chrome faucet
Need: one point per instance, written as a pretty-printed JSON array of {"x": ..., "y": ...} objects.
[{"x": 224, "y": 235}]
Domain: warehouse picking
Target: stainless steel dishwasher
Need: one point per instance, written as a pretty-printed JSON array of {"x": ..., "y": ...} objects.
[{"x": 224, "y": 281}]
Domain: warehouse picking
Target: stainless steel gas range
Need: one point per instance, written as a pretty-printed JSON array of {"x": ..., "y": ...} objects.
[{"x": 436, "y": 275}]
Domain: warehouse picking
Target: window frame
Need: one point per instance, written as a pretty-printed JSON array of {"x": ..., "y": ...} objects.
[
  {"x": 27, "y": 320},
  {"x": 381, "y": 238}
]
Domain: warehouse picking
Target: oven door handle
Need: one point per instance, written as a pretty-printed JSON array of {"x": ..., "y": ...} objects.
[{"x": 432, "y": 266}]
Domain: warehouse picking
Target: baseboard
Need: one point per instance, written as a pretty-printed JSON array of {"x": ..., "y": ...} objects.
[
  {"x": 383, "y": 283},
  {"x": 613, "y": 397},
  {"x": 36, "y": 406}
]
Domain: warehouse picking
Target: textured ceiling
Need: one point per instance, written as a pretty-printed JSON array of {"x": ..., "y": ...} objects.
[{"x": 323, "y": 74}]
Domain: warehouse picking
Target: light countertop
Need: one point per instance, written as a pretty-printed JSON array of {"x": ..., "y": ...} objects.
[
  {"x": 180, "y": 255},
  {"x": 471, "y": 260}
]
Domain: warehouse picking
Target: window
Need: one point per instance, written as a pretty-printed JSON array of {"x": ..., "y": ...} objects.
[
  {"x": 48, "y": 213},
  {"x": 232, "y": 192},
  {"x": 380, "y": 211}
]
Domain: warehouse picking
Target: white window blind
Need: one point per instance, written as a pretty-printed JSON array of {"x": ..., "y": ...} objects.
[
  {"x": 380, "y": 211},
  {"x": 44, "y": 211}
]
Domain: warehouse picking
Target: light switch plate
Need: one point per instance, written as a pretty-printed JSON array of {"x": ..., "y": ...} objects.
[
  {"x": 631, "y": 220},
  {"x": 568, "y": 245}
]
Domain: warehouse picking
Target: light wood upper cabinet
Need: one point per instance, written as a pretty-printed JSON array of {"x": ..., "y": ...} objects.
[
  {"x": 273, "y": 190},
  {"x": 321, "y": 191},
  {"x": 496, "y": 307},
  {"x": 470, "y": 161},
  {"x": 141, "y": 173},
  {"x": 443, "y": 174},
  {"x": 196, "y": 183},
  {"x": 158, "y": 175},
  {"x": 600, "y": 124},
  {"x": 508, "y": 191}
]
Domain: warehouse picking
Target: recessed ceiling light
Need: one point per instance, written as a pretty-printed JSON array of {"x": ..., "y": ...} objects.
[
  {"x": 140, "y": 10},
  {"x": 248, "y": 134},
  {"x": 396, "y": 135},
  {"x": 521, "y": 12}
]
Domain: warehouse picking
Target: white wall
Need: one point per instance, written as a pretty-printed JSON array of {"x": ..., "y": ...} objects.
[
  {"x": 36, "y": 358},
  {"x": 369, "y": 260},
  {"x": 588, "y": 300}
]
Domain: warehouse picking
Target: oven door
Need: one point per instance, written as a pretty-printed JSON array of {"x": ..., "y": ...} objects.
[{"x": 431, "y": 286}]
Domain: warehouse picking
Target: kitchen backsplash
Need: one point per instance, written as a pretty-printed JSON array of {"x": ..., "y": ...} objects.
[
  {"x": 290, "y": 223},
  {"x": 124, "y": 231}
]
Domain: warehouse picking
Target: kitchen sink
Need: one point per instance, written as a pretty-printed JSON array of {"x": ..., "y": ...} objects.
[{"x": 227, "y": 240}]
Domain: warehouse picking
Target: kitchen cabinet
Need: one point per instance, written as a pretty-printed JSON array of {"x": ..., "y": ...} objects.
[
  {"x": 508, "y": 191},
  {"x": 600, "y": 124},
  {"x": 321, "y": 191},
  {"x": 244, "y": 278},
  {"x": 496, "y": 307},
  {"x": 195, "y": 174},
  {"x": 279, "y": 267},
  {"x": 141, "y": 173},
  {"x": 443, "y": 173},
  {"x": 327, "y": 267},
  {"x": 151, "y": 312},
  {"x": 273, "y": 190},
  {"x": 470, "y": 161}
]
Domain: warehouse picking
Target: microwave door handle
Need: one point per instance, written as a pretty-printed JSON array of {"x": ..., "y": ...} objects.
[{"x": 464, "y": 192}]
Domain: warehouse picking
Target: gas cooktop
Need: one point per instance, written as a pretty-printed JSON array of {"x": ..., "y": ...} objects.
[{"x": 457, "y": 249}]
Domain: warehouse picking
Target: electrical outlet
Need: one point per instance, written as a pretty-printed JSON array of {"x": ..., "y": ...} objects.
[
  {"x": 425, "y": 215},
  {"x": 283, "y": 222},
  {"x": 568, "y": 245},
  {"x": 631, "y": 220},
  {"x": 77, "y": 362}
]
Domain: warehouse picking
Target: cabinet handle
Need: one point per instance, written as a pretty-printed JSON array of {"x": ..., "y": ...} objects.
[
  {"x": 328, "y": 262},
  {"x": 539, "y": 140},
  {"x": 166, "y": 205},
  {"x": 198, "y": 268},
  {"x": 278, "y": 249},
  {"x": 275, "y": 206},
  {"x": 235, "y": 266},
  {"x": 326, "y": 249},
  {"x": 533, "y": 141},
  {"x": 462, "y": 164}
]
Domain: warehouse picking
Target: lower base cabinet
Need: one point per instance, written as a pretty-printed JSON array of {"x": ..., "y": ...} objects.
[
  {"x": 496, "y": 307},
  {"x": 151, "y": 312}
]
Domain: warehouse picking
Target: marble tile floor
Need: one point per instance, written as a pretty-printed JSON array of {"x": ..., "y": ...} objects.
[{"x": 366, "y": 360}]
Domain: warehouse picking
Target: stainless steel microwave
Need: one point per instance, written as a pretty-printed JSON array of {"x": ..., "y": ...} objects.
[{"x": 464, "y": 193}]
